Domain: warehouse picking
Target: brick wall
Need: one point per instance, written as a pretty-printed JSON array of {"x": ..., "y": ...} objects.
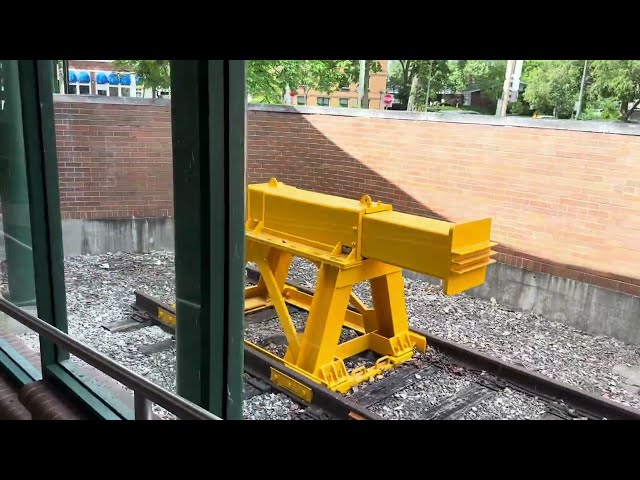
[
  {"x": 563, "y": 202},
  {"x": 114, "y": 159}
]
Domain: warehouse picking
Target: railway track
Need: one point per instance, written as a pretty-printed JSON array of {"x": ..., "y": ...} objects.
[{"x": 477, "y": 379}]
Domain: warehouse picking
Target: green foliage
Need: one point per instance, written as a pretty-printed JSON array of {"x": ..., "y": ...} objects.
[
  {"x": 267, "y": 79},
  {"x": 351, "y": 69},
  {"x": 553, "y": 86},
  {"x": 602, "y": 109},
  {"x": 153, "y": 74},
  {"x": 520, "y": 107},
  {"x": 619, "y": 79},
  {"x": 488, "y": 75},
  {"x": 432, "y": 75},
  {"x": 264, "y": 80}
]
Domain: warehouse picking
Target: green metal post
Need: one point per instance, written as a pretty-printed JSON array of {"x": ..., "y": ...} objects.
[
  {"x": 34, "y": 142},
  {"x": 36, "y": 92},
  {"x": 208, "y": 127},
  {"x": 14, "y": 196}
]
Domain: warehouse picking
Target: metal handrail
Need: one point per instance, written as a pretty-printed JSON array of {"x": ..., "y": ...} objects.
[{"x": 144, "y": 391}]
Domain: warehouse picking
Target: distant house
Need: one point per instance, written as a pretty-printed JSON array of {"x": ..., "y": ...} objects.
[{"x": 471, "y": 96}]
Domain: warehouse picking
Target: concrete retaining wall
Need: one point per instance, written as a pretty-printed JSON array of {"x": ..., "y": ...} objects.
[
  {"x": 112, "y": 235},
  {"x": 590, "y": 308}
]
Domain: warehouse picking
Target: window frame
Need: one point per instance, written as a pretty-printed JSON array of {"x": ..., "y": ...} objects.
[{"x": 216, "y": 131}]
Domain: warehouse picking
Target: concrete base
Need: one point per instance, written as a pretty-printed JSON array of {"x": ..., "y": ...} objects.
[
  {"x": 587, "y": 307},
  {"x": 138, "y": 235}
]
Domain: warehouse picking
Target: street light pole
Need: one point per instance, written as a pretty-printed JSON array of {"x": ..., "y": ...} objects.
[{"x": 502, "y": 109}]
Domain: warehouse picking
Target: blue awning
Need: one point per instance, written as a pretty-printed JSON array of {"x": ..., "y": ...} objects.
[
  {"x": 101, "y": 78},
  {"x": 72, "y": 77},
  {"x": 125, "y": 80},
  {"x": 138, "y": 80},
  {"x": 113, "y": 79},
  {"x": 84, "y": 77}
]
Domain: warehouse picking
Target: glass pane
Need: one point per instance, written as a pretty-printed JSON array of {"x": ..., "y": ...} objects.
[
  {"x": 102, "y": 92},
  {"x": 16, "y": 256},
  {"x": 73, "y": 89},
  {"x": 116, "y": 210},
  {"x": 85, "y": 89}
]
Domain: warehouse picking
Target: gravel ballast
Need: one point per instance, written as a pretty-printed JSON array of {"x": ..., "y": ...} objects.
[
  {"x": 556, "y": 350},
  {"x": 100, "y": 289}
]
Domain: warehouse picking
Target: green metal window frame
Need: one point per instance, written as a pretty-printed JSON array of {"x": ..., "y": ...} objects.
[
  {"x": 29, "y": 123},
  {"x": 209, "y": 125}
]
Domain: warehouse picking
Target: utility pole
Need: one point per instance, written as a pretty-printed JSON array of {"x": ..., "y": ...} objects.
[
  {"x": 582, "y": 85},
  {"x": 502, "y": 107},
  {"x": 361, "y": 83}
]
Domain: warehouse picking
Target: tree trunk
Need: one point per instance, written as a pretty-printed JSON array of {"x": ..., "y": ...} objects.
[
  {"x": 412, "y": 94},
  {"x": 426, "y": 102},
  {"x": 624, "y": 110},
  {"x": 630, "y": 111},
  {"x": 153, "y": 92},
  {"x": 365, "y": 93}
]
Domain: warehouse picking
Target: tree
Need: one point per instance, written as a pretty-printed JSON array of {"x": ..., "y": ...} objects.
[
  {"x": 264, "y": 80},
  {"x": 269, "y": 78},
  {"x": 401, "y": 77},
  {"x": 619, "y": 79},
  {"x": 153, "y": 74},
  {"x": 433, "y": 72},
  {"x": 351, "y": 72},
  {"x": 553, "y": 86},
  {"x": 409, "y": 77},
  {"x": 488, "y": 75},
  {"x": 321, "y": 75}
]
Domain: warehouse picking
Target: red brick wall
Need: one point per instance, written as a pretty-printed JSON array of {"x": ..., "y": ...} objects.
[
  {"x": 562, "y": 202},
  {"x": 114, "y": 160}
]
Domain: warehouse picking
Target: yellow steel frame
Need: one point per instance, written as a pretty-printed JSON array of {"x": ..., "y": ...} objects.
[
  {"x": 316, "y": 353},
  {"x": 351, "y": 242}
]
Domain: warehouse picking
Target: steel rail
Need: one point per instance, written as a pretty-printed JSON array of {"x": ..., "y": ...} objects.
[
  {"x": 144, "y": 390},
  {"x": 526, "y": 380}
]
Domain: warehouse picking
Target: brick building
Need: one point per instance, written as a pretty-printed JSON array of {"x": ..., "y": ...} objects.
[
  {"x": 347, "y": 96},
  {"x": 100, "y": 77}
]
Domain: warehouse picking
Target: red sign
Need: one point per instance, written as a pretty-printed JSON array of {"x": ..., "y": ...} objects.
[{"x": 388, "y": 99}]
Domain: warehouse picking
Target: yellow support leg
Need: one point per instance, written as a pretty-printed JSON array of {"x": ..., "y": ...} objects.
[
  {"x": 257, "y": 297},
  {"x": 274, "y": 284},
  {"x": 324, "y": 325}
]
